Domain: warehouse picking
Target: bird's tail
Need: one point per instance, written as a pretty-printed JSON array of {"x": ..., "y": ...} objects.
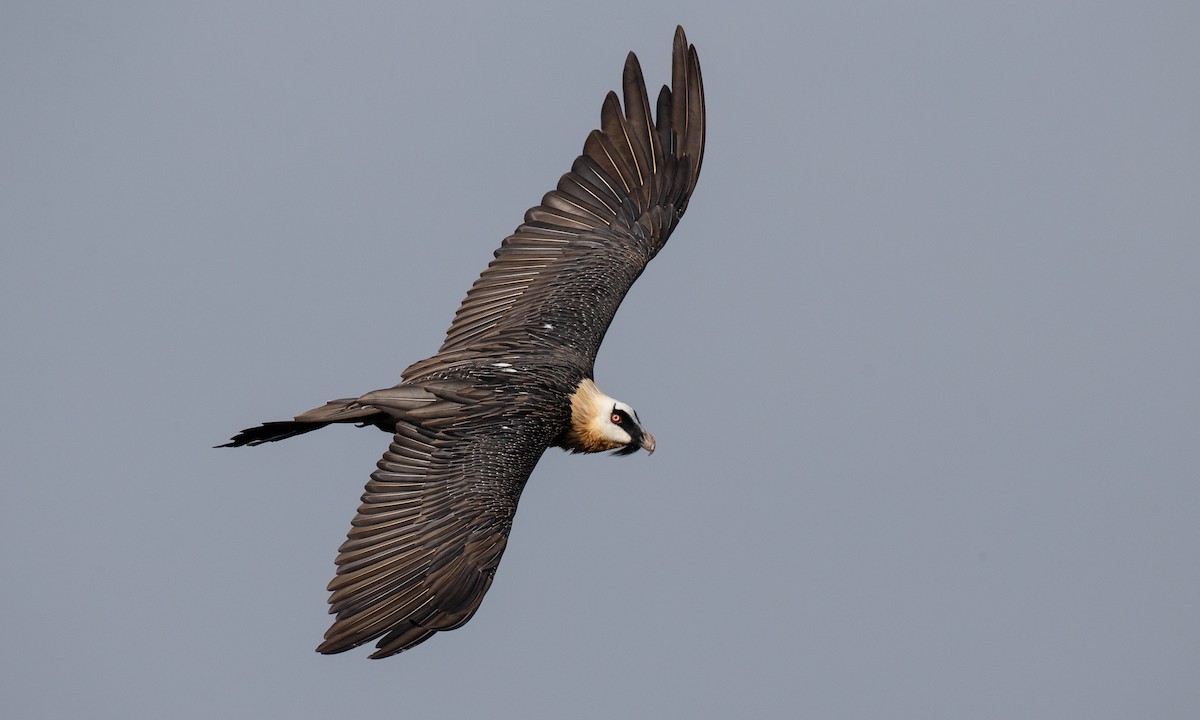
[{"x": 345, "y": 410}]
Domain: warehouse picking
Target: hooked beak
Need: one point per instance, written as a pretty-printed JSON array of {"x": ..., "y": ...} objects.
[{"x": 648, "y": 443}]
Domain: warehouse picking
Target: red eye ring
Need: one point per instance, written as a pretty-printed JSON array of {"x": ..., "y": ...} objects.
[{"x": 616, "y": 419}]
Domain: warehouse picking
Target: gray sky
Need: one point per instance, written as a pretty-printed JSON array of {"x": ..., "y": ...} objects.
[{"x": 922, "y": 360}]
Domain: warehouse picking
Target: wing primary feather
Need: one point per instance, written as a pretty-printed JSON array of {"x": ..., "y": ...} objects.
[{"x": 637, "y": 110}]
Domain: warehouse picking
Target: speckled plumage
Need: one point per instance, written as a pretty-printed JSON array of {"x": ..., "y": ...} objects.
[{"x": 470, "y": 423}]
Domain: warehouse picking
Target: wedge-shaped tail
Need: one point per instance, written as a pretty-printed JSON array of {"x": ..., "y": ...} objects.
[
  {"x": 381, "y": 408},
  {"x": 345, "y": 410}
]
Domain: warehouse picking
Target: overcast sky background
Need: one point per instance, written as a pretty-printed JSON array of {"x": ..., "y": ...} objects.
[{"x": 922, "y": 360}]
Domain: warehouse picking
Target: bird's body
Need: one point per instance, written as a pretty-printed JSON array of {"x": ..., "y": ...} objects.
[{"x": 513, "y": 378}]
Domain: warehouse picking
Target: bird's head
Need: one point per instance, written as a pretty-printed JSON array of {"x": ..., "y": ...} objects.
[{"x": 599, "y": 423}]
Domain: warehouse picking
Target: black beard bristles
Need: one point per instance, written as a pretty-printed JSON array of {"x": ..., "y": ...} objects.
[{"x": 629, "y": 449}]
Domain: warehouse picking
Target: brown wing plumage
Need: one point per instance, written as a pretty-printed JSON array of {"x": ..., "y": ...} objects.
[
  {"x": 558, "y": 280},
  {"x": 434, "y": 519}
]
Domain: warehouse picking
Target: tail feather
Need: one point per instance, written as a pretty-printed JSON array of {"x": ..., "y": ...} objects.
[
  {"x": 346, "y": 410},
  {"x": 272, "y": 431}
]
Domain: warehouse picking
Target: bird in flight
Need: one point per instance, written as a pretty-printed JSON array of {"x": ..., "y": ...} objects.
[{"x": 513, "y": 378}]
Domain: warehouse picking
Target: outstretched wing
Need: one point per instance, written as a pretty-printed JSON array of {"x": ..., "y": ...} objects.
[
  {"x": 434, "y": 520},
  {"x": 558, "y": 280}
]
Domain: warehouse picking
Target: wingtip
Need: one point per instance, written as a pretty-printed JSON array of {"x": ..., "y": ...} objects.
[{"x": 681, "y": 46}]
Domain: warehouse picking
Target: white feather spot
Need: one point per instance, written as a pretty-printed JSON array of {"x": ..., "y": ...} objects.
[
  {"x": 547, "y": 326},
  {"x": 502, "y": 365}
]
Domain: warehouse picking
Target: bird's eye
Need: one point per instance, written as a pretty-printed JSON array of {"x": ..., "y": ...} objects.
[{"x": 616, "y": 419}]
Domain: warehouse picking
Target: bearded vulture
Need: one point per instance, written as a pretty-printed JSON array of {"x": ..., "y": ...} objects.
[{"x": 513, "y": 377}]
